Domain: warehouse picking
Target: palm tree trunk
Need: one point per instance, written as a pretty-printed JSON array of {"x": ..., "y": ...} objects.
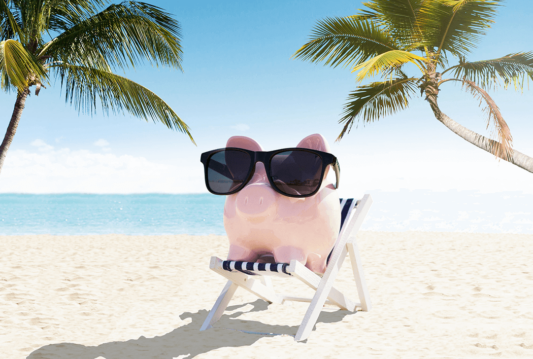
[
  {"x": 515, "y": 157},
  {"x": 13, "y": 124}
]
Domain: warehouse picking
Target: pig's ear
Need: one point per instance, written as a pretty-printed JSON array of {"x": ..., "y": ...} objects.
[
  {"x": 315, "y": 142},
  {"x": 243, "y": 142}
]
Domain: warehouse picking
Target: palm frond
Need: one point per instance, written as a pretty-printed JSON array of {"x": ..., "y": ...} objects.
[
  {"x": 513, "y": 69},
  {"x": 501, "y": 146},
  {"x": 10, "y": 24},
  {"x": 62, "y": 15},
  {"x": 455, "y": 26},
  {"x": 458, "y": 4},
  {"x": 398, "y": 17},
  {"x": 373, "y": 101},
  {"x": 120, "y": 36},
  {"x": 17, "y": 66},
  {"x": 31, "y": 18},
  {"x": 385, "y": 62},
  {"x": 345, "y": 41},
  {"x": 85, "y": 86},
  {"x": 365, "y": 15}
]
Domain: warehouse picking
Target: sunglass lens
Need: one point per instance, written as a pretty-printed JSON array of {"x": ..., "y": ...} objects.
[
  {"x": 296, "y": 172},
  {"x": 227, "y": 170}
]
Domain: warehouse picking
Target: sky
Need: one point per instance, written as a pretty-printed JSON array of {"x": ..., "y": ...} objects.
[{"x": 239, "y": 79}]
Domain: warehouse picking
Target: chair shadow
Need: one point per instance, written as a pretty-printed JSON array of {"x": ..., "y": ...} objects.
[{"x": 186, "y": 341}]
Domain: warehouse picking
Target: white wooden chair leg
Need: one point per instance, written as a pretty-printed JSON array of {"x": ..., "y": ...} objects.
[
  {"x": 321, "y": 295},
  {"x": 220, "y": 305},
  {"x": 252, "y": 285},
  {"x": 357, "y": 267},
  {"x": 267, "y": 281},
  {"x": 336, "y": 297}
]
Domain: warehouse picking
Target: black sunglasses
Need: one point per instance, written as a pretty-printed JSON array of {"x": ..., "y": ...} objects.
[{"x": 292, "y": 172}]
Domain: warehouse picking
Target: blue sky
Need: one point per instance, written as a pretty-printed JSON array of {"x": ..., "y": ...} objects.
[{"x": 239, "y": 79}]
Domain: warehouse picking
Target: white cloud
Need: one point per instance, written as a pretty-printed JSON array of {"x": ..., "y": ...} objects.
[
  {"x": 41, "y": 145},
  {"x": 64, "y": 170},
  {"x": 101, "y": 143},
  {"x": 241, "y": 127}
]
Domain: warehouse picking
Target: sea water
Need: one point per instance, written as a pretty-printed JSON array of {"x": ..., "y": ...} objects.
[
  {"x": 143, "y": 214},
  {"x": 201, "y": 214}
]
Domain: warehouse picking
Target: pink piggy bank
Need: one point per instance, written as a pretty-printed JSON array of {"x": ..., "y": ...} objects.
[{"x": 265, "y": 226}]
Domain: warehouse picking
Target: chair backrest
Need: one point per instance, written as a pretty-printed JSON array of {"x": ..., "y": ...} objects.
[{"x": 347, "y": 206}]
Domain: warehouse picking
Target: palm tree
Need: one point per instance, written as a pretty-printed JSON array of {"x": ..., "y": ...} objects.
[
  {"x": 79, "y": 43},
  {"x": 389, "y": 34}
]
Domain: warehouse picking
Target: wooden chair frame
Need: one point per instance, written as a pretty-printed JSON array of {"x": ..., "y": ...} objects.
[{"x": 261, "y": 285}]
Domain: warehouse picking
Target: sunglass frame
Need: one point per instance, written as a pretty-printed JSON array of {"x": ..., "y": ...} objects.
[{"x": 266, "y": 158}]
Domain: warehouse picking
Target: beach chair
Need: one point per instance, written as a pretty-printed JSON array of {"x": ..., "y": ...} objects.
[{"x": 255, "y": 277}]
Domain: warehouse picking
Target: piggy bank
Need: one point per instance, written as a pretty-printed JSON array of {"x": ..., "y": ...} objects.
[{"x": 265, "y": 226}]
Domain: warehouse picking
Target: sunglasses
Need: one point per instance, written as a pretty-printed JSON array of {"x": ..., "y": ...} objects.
[{"x": 292, "y": 172}]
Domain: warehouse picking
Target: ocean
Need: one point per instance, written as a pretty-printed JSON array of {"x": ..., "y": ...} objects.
[
  {"x": 139, "y": 214},
  {"x": 201, "y": 214}
]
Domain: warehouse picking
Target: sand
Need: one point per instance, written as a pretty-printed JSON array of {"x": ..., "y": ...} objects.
[{"x": 434, "y": 295}]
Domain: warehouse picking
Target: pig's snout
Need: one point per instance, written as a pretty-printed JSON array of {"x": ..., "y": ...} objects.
[{"x": 256, "y": 201}]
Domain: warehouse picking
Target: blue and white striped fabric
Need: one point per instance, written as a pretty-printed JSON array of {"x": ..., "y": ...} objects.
[
  {"x": 347, "y": 204},
  {"x": 254, "y": 268},
  {"x": 248, "y": 267}
]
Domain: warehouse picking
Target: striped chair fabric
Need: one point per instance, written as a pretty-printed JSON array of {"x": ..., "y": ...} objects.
[{"x": 251, "y": 267}]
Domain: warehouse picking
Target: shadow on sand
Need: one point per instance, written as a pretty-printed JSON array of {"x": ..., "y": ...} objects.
[{"x": 186, "y": 341}]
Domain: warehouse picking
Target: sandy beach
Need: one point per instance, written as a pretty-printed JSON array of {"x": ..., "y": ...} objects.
[{"x": 434, "y": 295}]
